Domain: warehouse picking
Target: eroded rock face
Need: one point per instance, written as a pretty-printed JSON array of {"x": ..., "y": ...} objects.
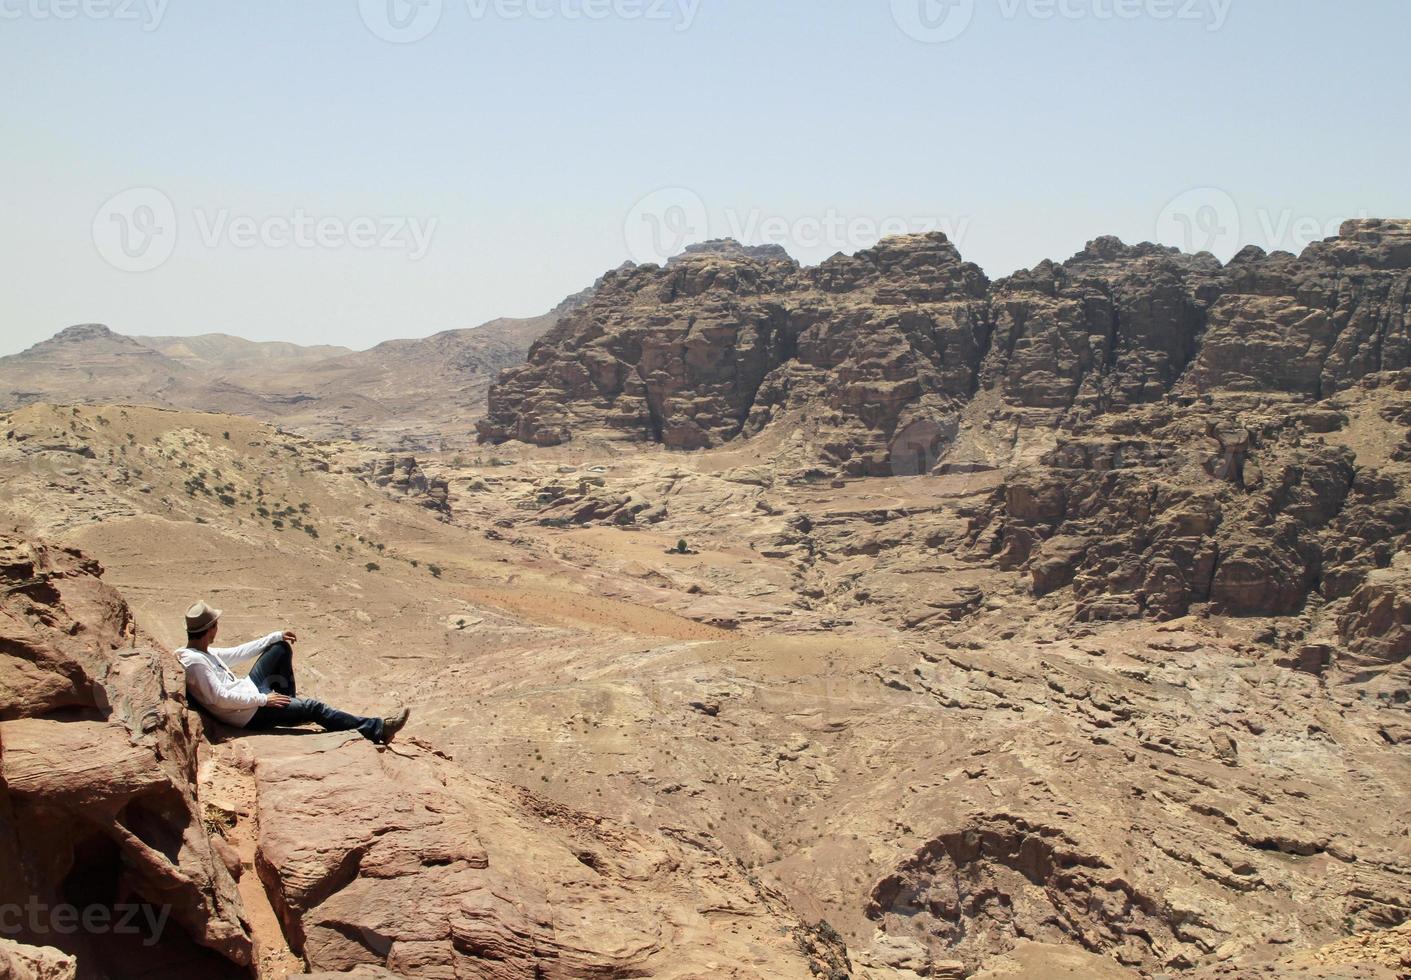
[
  {"x": 972, "y": 890},
  {"x": 1377, "y": 621},
  {"x": 400, "y": 861},
  {"x": 21, "y": 962},
  {"x": 402, "y": 476},
  {"x": 1313, "y": 324},
  {"x": 1169, "y": 423},
  {"x": 875, "y": 355},
  {"x": 99, "y": 768},
  {"x": 723, "y": 340},
  {"x": 1234, "y": 505},
  {"x": 1137, "y": 526},
  {"x": 1114, "y": 326}
]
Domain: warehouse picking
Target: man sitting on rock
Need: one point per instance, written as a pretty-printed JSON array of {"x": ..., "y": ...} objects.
[{"x": 267, "y": 698}]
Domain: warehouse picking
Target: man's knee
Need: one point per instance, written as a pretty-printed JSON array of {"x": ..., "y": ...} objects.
[
  {"x": 312, "y": 709},
  {"x": 275, "y": 671}
]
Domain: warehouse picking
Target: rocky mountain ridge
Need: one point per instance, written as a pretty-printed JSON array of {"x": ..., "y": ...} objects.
[{"x": 889, "y": 352}]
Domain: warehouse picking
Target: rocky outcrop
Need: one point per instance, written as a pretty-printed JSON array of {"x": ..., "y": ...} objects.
[
  {"x": 1136, "y": 526},
  {"x": 1313, "y": 324},
  {"x": 98, "y": 790},
  {"x": 972, "y": 891},
  {"x": 1377, "y": 622},
  {"x": 403, "y": 477},
  {"x": 1170, "y": 425},
  {"x": 377, "y": 861},
  {"x": 1113, "y": 327},
  {"x": 1241, "y": 505},
  {"x": 21, "y": 962},
  {"x": 400, "y": 861},
  {"x": 876, "y": 355},
  {"x": 723, "y": 340}
]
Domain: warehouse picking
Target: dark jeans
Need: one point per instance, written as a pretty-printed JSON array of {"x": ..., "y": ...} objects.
[{"x": 274, "y": 673}]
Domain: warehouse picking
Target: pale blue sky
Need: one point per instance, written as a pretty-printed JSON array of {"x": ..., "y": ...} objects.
[{"x": 519, "y": 147}]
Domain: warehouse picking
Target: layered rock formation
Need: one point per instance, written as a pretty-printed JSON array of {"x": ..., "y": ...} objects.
[
  {"x": 881, "y": 352},
  {"x": 1239, "y": 505},
  {"x": 723, "y": 339}
]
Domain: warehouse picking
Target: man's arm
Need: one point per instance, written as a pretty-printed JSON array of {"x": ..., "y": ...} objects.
[
  {"x": 230, "y": 656},
  {"x": 212, "y": 691}
]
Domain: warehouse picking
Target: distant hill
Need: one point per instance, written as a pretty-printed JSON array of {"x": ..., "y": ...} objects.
[
  {"x": 219, "y": 351},
  {"x": 411, "y": 394}
]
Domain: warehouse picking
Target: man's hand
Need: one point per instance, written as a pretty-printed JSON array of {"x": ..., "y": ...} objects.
[
  {"x": 277, "y": 701},
  {"x": 290, "y": 638}
]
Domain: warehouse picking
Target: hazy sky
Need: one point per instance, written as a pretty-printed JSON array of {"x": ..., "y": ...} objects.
[{"x": 337, "y": 171}]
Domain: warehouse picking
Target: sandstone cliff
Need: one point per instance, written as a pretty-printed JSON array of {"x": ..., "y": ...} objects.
[
  {"x": 99, "y": 774},
  {"x": 878, "y": 355}
]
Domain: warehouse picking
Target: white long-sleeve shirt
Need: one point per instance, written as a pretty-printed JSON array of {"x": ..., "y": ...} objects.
[{"x": 211, "y": 682}]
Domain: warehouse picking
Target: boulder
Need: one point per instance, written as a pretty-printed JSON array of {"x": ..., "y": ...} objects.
[
  {"x": 1376, "y": 625},
  {"x": 403, "y": 477},
  {"x": 99, "y": 765},
  {"x": 21, "y": 962}
]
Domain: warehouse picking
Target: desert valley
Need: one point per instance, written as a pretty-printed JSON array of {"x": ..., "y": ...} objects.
[{"x": 871, "y": 619}]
